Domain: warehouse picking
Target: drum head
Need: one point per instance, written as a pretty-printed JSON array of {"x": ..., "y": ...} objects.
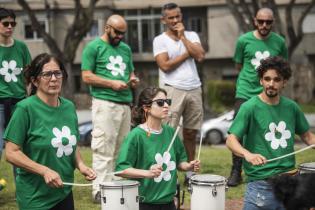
[
  {"x": 119, "y": 184},
  {"x": 207, "y": 179},
  {"x": 307, "y": 166}
]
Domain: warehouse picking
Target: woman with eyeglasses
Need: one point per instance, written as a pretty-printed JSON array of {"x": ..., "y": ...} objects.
[
  {"x": 41, "y": 140},
  {"x": 144, "y": 154}
]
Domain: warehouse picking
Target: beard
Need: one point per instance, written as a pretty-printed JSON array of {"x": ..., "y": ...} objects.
[
  {"x": 263, "y": 31},
  {"x": 271, "y": 93},
  {"x": 113, "y": 40}
]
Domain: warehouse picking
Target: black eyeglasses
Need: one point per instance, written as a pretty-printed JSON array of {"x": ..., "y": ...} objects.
[
  {"x": 48, "y": 74},
  {"x": 7, "y": 23},
  {"x": 261, "y": 22},
  {"x": 160, "y": 102},
  {"x": 117, "y": 32}
]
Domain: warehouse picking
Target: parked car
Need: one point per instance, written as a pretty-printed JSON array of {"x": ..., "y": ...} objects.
[
  {"x": 214, "y": 130},
  {"x": 85, "y": 130}
]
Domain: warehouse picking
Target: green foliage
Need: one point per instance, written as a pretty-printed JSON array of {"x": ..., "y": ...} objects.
[
  {"x": 221, "y": 95},
  {"x": 214, "y": 160}
]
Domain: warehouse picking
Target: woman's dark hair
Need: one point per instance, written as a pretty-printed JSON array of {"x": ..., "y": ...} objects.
[
  {"x": 33, "y": 70},
  {"x": 145, "y": 100},
  {"x": 277, "y": 63},
  {"x": 4, "y": 13}
]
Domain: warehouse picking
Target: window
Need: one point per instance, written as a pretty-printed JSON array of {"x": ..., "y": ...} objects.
[
  {"x": 195, "y": 24},
  {"x": 94, "y": 31},
  {"x": 30, "y": 33},
  {"x": 143, "y": 26}
]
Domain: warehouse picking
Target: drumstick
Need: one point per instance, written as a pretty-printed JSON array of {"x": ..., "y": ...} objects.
[
  {"x": 174, "y": 137},
  {"x": 292, "y": 153},
  {"x": 199, "y": 146},
  {"x": 91, "y": 184}
]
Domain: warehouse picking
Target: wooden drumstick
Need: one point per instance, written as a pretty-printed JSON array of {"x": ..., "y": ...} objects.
[
  {"x": 199, "y": 146},
  {"x": 174, "y": 137},
  {"x": 292, "y": 153}
]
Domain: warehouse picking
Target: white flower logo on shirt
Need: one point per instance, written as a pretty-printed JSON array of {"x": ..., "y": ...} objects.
[
  {"x": 259, "y": 56},
  {"x": 116, "y": 65},
  {"x": 63, "y": 141},
  {"x": 278, "y": 135},
  {"x": 170, "y": 166},
  {"x": 9, "y": 71}
]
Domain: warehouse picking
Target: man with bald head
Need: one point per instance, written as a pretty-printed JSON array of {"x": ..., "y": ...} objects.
[
  {"x": 108, "y": 69},
  {"x": 251, "y": 47}
]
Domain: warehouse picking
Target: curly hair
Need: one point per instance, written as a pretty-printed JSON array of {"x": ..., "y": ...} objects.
[
  {"x": 145, "y": 100},
  {"x": 277, "y": 63},
  {"x": 33, "y": 70}
]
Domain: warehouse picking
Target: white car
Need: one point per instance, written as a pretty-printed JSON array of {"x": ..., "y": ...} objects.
[{"x": 214, "y": 130}]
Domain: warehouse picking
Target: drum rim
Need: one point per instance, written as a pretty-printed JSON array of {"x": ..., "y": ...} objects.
[
  {"x": 304, "y": 166},
  {"x": 208, "y": 183},
  {"x": 132, "y": 183}
]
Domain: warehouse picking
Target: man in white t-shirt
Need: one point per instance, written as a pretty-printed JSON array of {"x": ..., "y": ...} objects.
[{"x": 175, "y": 52}]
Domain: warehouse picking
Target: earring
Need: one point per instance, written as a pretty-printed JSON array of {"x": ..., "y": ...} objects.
[{"x": 146, "y": 122}]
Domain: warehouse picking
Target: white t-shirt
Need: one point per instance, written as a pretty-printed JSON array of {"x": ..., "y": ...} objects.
[{"x": 185, "y": 76}]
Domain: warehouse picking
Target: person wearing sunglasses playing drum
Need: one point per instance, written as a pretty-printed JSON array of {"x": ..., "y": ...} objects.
[
  {"x": 14, "y": 56},
  {"x": 251, "y": 47},
  {"x": 145, "y": 156}
]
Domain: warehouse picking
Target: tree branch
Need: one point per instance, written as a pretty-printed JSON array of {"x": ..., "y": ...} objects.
[{"x": 51, "y": 43}]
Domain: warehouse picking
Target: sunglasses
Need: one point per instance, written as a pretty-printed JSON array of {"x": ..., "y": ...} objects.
[
  {"x": 261, "y": 22},
  {"x": 117, "y": 32},
  {"x": 7, "y": 23},
  {"x": 160, "y": 102},
  {"x": 48, "y": 74}
]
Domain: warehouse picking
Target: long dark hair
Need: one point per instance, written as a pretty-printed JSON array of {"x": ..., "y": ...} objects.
[
  {"x": 33, "y": 70},
  {"x": 145, "y": 100}
]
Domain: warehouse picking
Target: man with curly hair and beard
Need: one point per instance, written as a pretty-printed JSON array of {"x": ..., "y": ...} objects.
[{"x": 267, "y": 124}]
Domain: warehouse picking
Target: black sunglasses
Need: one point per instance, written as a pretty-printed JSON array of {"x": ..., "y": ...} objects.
[
  {"x": 7, "y": 23},
  {"x": 261, "y": 22},
  {"x": 117, "y": 32},
  {"x": 160, "y": 102}
]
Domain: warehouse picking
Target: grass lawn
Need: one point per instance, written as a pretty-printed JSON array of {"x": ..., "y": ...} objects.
[{"x": 215, "y": 160}]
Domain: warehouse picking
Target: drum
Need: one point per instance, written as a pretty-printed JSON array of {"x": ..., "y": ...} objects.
[
  {"x": 120, "y": 195},
  {"x": 207, "y": 192},
  {"x": 307, "y": 168}
]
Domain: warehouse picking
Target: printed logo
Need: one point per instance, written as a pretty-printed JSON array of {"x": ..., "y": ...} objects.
[
  {"x": 10, "y": 71},
  {"x": 116, "y": 65},
  {"x": 278, "y": 135},
  {"x": 170, "y": 166},
  {"x": 258, "y": 57},
  {"x": 64, "y": 141}
]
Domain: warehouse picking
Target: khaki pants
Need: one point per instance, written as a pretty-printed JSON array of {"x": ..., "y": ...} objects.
[
  {"x": 186, "y": 104},
  {"x": 111, "y": 123}
]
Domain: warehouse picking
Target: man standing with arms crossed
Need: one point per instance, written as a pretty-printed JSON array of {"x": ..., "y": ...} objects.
[
  {"x": 267, "y": 123},
  {"x": 107, "y": 67},
  {"x": 14, "y": 56},
  {"x": 175, "y": 52},
  {"x": 251, "y": 47}
]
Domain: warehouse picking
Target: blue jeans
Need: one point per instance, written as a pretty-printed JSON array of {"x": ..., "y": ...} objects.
[
  {"x": 1, "y": 128},
  {"x": 259, "y": 196}
]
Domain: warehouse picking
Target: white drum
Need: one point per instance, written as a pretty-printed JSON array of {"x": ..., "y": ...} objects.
[
  {"x": 207, "y": 192},
  {"x": 120, "y": 195},
  {"x": 307, "y": 168}
]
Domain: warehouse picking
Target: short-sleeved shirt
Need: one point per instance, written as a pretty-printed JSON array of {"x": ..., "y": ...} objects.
[
  {"x": 109, "y": 62},
  {"x": 12, "y": 61},
  {"x": 47, "y": 135},
  {"x": 269, "y": 130},
  {"x": 249, "y": 51},
  {"x": 185, "y": 76},
  {"x": 141, "y": 151}
]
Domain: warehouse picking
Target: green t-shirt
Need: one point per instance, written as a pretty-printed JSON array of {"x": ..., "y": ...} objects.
[
  {"x": 141, "y": 152},
  {"x": 12, "y": 61},
  {"x": 249, "y": 51},
  {"x": 47, "y": 135},
  {"x": 109, "y": 62},
  {"x": 269, "y": 130}
]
